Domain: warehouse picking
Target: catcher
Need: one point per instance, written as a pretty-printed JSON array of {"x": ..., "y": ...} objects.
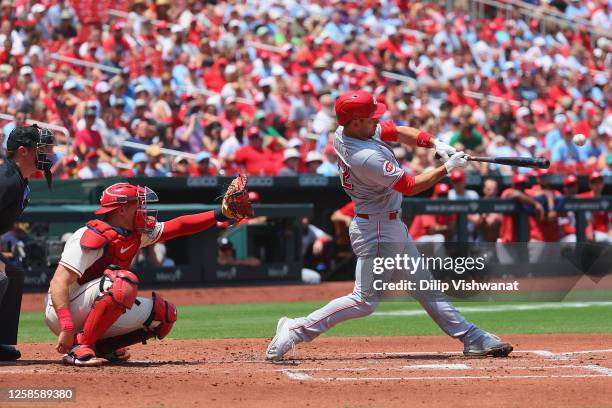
[{"x": 92, "y": 304}]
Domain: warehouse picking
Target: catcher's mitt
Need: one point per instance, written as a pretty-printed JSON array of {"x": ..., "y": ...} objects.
[{"x": 236, "y": 203}]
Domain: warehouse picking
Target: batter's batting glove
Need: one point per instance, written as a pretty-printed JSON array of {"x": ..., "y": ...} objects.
[
  {"x": 236, "y": 203},
  {"x": 443, "y": 150},
  {"x": 457, "y": 161}
]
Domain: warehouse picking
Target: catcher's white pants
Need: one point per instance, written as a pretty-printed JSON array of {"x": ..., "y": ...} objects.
[
  {"x": 82, "y": 299},
  {"x": 378, "y": 236}
]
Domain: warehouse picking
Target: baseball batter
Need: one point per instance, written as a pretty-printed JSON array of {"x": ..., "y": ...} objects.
[
  {"x": 373, "y": 179},
  {"x": 92, "y": 304}
]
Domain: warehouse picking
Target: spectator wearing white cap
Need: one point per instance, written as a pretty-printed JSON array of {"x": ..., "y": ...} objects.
[
  {"x": 180, "y": 167},
  {"x": 291, "y": 160},
  {"x": 314, "y": 159},
  {"x": 267, "y": 101},
  {"x": 42, "y": 21},
  {"x": 103, "y": 93}
]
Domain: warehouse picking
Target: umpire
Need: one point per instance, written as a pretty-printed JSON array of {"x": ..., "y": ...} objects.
[{"x": 29, "y": 149}]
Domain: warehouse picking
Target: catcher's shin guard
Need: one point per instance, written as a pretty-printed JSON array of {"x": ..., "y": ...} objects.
[
  {"x": 158, "y": 324},
  {"x": 118, "y": 289},
  {"x": 162, "y": 317}
]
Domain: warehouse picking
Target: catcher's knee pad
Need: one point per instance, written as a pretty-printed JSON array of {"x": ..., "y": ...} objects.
[
  {"x": 162, "y": 318},
  {"x": 121, "y": 285},
  {"x": 118, "y": 289}
]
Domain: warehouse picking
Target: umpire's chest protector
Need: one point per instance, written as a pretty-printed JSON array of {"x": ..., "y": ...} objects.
[{"x": 119, "y": 249}]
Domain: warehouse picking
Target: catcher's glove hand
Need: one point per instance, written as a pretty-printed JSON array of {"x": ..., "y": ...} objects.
[{"x": 236, "y": 203}]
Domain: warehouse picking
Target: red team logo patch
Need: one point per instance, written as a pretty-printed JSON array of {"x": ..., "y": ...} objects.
[{"x": 388, "y": 167}]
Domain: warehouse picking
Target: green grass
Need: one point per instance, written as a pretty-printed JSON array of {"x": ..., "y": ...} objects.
[{"x": 259, "y": 320}]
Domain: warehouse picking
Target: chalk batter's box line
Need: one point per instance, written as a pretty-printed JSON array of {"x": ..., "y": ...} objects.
[
  {"x": 444, "y": 367},
  {"x": 445, "y": 353},
  {"x": 597, "y": 371},
  {"x": 306, "y": 377}
]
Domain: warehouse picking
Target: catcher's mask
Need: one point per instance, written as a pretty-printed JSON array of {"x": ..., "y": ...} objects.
[
  {"x": 120, "y": 194},
  {"x": 40, "y": 139}
]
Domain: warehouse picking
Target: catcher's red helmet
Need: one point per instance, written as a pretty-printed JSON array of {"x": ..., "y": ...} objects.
[{"x": 119, "y": 194}]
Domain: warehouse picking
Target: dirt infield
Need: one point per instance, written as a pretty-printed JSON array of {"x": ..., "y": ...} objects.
[
  {"x": 544, "y": 371},
  {"x": 569, "y": 370}
]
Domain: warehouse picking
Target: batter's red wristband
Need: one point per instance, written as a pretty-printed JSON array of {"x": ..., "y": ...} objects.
[
  {"x": 424, "y": 139},
  {"x": 65, "y": 319}
]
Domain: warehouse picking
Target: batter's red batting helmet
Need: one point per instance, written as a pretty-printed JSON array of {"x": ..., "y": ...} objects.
[{"x": 358, "y": 105}]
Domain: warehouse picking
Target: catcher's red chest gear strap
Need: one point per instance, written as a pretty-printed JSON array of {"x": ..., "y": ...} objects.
[
  {"x": 119, "y": 249},
  {"x": 118, "y": 292}
]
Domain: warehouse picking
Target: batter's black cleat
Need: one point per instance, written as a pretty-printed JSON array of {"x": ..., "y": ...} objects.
[{"x": 9, "y": 353}]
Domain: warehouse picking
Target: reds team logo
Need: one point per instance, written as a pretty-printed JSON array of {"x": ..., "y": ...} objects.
[{"x": 388, "y": 167}]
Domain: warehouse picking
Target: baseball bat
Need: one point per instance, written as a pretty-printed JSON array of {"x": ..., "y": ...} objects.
[{"x": 534, "y": 163}]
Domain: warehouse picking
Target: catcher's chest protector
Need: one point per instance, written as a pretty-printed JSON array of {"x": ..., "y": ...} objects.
[{"x": 119, "y": 249}]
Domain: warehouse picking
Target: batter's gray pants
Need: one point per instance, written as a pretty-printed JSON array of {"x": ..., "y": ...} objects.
[{"x": 379, "y": 237}]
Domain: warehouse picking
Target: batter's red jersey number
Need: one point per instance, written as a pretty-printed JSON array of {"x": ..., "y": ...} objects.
[{"x": 344, "y": 169}]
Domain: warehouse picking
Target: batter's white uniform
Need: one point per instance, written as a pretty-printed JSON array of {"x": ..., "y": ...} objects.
[
  {"x": 368, "y": 171},
  {"x": 82, "y": 297}
]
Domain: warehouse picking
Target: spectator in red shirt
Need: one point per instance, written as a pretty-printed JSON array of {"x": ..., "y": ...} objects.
[
  {"x": 275, "y": 147},
  {"x": 508, "y": 231},
  {"x": 434, "y": 228},
  {"x": 344, "y": 214},
  {"x": 599, "y": 223},
  {"x": 116, "y": 41},
  {"x": 88, "y": 138},
  {"x": 253, "y": 157}
]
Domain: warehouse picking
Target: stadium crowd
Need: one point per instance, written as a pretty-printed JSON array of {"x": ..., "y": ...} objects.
[{"x": 251, "y": 86}]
